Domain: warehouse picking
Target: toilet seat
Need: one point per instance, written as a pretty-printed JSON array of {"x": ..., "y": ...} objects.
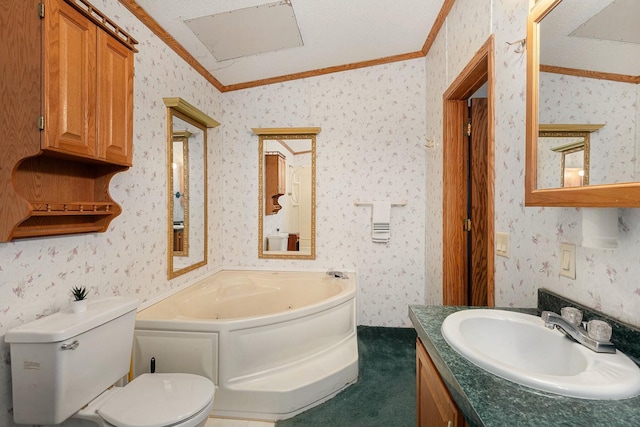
[{"x": 158, "y": 400}]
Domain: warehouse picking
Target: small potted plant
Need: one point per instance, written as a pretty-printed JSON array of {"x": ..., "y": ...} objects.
[{"x": 79, "y": 304}]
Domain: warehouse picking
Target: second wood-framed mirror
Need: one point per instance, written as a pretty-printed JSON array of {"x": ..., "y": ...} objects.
[
  {"x": 579, "y": 70},
  {"x": 287, "y": 192}
]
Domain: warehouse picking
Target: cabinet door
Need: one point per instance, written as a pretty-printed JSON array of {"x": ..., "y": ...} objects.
[
  {"x": 282, "y": 175},
  {"x": 69, "y": 80},
  {"x": 115, "y": 100},
  {"x": 435, "y": 406}
]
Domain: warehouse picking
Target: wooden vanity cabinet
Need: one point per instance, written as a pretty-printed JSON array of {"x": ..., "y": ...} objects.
[
  {"x": 275, "y": 181},
  {"x": 434, "y": 405},
  {"x": 67, "y": 117}
]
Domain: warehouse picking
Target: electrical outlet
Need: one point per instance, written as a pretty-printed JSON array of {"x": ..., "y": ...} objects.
[{"x": 502, "y": 244}]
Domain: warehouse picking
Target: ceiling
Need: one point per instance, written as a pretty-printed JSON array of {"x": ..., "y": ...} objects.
[
  {"x": 245, "y": 43},
  {"x": 595, "y": 35},
  {"x": 238, "y": 44}
]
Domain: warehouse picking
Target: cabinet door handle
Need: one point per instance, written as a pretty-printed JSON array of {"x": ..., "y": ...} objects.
[{"x": 449, "y": 424}]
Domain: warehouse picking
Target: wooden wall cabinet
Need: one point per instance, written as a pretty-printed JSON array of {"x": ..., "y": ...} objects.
[
  {"x": 434, "y": 405},
  {"x": 67, "y": 117},
  {"x": 275, "y": 181}
]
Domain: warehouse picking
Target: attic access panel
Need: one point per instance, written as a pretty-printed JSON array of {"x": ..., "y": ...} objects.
[{"x": 249, "y": 31}]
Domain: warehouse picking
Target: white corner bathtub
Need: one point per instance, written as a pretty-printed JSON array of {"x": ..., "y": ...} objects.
[{"x": 274, "y": 343}]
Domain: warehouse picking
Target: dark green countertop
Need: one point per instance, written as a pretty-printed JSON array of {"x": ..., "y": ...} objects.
[{"x": 488, "y": 400}]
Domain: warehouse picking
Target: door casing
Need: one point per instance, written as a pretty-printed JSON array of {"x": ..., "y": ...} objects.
[{"x": 455, "y": 186}]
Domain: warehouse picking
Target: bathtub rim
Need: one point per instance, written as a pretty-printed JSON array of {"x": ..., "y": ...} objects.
[
  {"x": 195, "y": 324},
  {"x": 170, "y": 292}
]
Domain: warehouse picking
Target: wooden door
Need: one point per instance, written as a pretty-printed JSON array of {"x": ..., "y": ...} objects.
[
  {"x": 478, "y": 155},
  {"x": 456, "y": 269},
  {"x": 115, "y": 100},
  {"x": 69, "y": 80}
]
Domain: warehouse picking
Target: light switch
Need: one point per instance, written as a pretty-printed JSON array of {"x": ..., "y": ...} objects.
[
  {"x": 502, "y": 244},
  {"x": 568, "y": 260}
]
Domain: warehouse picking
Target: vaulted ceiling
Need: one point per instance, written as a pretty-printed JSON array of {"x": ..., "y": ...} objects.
[
  {"x": 245, "y": 43},
  {"x": 237, "y": 44}
]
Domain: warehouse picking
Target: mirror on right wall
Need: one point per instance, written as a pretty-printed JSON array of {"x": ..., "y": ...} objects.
[{"x": 583, "y": 69}]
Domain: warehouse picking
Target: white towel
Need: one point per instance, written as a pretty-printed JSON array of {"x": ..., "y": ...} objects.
[{"x": 380, "y": 222}]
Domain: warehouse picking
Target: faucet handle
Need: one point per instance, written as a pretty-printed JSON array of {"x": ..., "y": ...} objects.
[
  {"x": 572, "y": 315},
  {"x": 599, "y": 330}
]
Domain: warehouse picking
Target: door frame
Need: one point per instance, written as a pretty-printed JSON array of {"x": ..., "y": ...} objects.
[{"x": 479, "y": 70}]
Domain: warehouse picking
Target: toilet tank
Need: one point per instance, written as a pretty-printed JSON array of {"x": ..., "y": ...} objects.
[
  {"x": 278, "y": 241},
  {"x": 61, "y": 362}
]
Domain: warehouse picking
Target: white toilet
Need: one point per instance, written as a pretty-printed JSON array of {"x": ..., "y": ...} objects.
[
  {"x": 63, "y": 367},
  {"x": 278, "y": 241}
]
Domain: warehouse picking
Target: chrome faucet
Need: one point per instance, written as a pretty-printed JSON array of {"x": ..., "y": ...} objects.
[
  {"x": 336, "y": 273},
  {"x": 576, "y": 332}
]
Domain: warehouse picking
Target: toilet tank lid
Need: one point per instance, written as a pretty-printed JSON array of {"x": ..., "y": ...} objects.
[
  {"x": 278, "y": 235},
  {"x": 65, "y": 324}
]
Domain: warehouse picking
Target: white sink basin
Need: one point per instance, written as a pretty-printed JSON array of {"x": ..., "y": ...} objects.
[{"x": 519, "y": 348}]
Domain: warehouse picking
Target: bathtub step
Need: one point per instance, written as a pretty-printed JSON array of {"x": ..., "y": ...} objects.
[
  {"x": 287, "y": 392},
  {"x": 310, "y": 371}
]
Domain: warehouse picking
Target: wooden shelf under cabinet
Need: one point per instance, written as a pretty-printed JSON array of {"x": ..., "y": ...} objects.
[
  {"x": 60, "y": 196},
  {"x": 77, "y": 208}
]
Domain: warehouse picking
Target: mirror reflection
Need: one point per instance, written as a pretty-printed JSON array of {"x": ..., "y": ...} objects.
[
  {"x": 564, "y": 155},
  {"x": 180, "y": 176},
  {"x": 187, "y": 186},
  {"x": 583, "y": 66},
  {"x": 573, "y": 170},
  {"x": 286, "y": 226},
  {"x": 188, "y": 206},
  {"x": 589, "y": 36}
]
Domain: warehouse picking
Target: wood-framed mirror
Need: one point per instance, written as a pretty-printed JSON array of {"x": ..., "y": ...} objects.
[
  {"x": 287, "y": 192},
  {"x": 187, "y": 237},
  {"x": 581, "y": 70},
  {"x": 564, "y": 155}
]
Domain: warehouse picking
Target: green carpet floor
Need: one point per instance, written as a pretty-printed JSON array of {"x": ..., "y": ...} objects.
[{"x": 385, "y": 394}]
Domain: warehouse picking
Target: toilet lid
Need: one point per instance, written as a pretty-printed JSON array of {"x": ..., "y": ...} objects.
[{"x": 158, "y": 400}]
